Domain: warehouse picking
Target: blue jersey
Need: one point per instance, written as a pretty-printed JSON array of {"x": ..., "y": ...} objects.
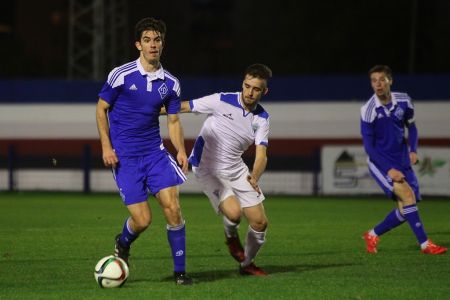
[
  {"x": 383, "y": 131},
  {"x": 135, "y": 98}
]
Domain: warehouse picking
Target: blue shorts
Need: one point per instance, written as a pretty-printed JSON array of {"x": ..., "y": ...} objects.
[
  {"x": 136, "y": 176},
  {"x": 386, "y": 183}
]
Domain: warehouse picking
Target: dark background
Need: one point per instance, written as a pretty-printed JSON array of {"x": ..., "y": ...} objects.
[{"x": 222, "y": 37}]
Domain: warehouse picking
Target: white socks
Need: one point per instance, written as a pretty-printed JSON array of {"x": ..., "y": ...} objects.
[
  {"x": 424, "y": 245},
  {"x": 230, "y": 227},
  {"x": 253, "y": 243}
]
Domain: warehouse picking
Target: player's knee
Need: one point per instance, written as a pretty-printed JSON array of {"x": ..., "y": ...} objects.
[
  {"x": 407, "y": 197},
  {"x": 405, "y": 194},
  {"x": 231, "y": 209},
  {"x": 142, "y": 223},
  {"x": 234, "y": 215},
  {"x": 260, "y": 225},
  {"x": 264, "y": 225}
]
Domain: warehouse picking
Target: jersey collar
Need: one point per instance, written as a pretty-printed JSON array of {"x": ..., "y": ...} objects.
[
  {"x": 255, "y": 110},
  {"x": 379, "y": 104},
  {"x": 159, "y": 74}
]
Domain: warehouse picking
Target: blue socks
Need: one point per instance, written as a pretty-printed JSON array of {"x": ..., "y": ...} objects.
[
  {"x": 412, "y": 216},
  {"x": 177, "y": 240},
  {"x": 392, "y": 220},
  {"x": 127, "y": 236}
]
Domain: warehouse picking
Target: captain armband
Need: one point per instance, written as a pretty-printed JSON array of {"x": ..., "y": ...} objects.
[{"x": 410, "y": 121}]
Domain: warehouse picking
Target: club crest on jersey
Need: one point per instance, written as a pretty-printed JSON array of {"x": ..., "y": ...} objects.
[
  {"x": 255, "y": 127},
  {"x": 163, "y": 90},
  {"x": 398, "y": 113}
]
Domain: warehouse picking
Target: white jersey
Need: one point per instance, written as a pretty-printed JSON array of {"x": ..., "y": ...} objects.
[{"x": 227, "y": 131}]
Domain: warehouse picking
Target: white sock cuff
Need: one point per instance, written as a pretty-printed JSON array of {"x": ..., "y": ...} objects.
[
  {"x": 424, "y": 245},
  {"x": 259, "y": 235},
  {"x": 228, "y": 222},
  {"x": 176, "y": 227},
  {"x": 409, "y": 209},
  {"x": 230, "y": 228},
  {"x": 130, "y": 230}
]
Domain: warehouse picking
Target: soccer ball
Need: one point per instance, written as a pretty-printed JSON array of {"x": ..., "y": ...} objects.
[{"x": 111, "y": 271}]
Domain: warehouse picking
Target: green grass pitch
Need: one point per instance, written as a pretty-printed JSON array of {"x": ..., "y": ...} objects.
[{"x": 50, "y": 243}]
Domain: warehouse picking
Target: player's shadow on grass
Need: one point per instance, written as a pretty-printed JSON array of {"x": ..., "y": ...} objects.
[
  {"x": 438, "y": 232},
  {"x": 215, "y": 275},
  {"x": 208, "y": 276},
  {"x": 271, "y": 269}
]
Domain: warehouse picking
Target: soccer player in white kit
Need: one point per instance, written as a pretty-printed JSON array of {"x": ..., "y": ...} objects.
[{"x": 234, "y": 122}]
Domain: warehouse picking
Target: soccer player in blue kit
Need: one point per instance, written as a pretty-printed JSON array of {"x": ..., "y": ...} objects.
[
  {"x": 128, "y": 124},
  {"x": 383, "y": 121}
]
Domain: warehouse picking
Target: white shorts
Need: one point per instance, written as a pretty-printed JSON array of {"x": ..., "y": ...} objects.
[{"x": 218, "y": 185}]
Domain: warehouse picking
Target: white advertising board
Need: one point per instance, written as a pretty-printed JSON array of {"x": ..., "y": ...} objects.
[{"x": 345, "y": 171}]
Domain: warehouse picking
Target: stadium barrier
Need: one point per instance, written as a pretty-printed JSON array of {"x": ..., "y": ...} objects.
[
  {"x": 76, "y": 165},
  {"x": 296, "y": 167},
  {"x": 33, "y": 136}
]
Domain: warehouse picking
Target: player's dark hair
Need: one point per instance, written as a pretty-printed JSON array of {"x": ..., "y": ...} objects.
[
  {"x": 259, "y": 71},
  {"x": 381, "y": 69},
  {"x": 151, "y": 24}
]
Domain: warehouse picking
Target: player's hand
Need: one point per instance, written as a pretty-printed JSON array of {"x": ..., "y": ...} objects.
[
  {"x": 396, "y": 175},
  {"x": 183, "y": 161},
  {"x": 110, "y": 158},
  {"x": 254, "y": 184},
  {"x": 413, "y": 158}
]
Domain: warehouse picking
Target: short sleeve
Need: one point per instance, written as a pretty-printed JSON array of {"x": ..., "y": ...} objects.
[
  {"x": 205, "y": 105},
  {"x": 172, "y": 103},
  {"x": 262, "y": 132},
  {"x": 110, "y": 89}
]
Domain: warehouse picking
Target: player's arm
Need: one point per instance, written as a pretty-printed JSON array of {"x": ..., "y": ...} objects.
[
  {"x": 413, "y": 136},
  {"x": 259, "y": 166},
  {"x": 413, "y": 141},
  {"x": 109, "y": 156},
  {"x": 177, "y": 138},
  {"x": 203, "y": 105},
  {"x": 368, "y": 137},
  {"x": 185, "y": 108}
]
